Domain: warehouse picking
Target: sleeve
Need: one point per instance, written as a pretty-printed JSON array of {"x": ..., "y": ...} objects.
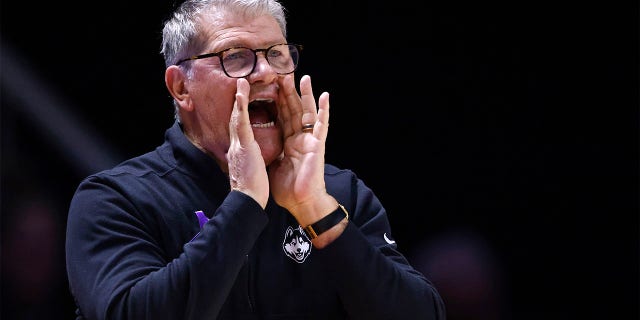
[
  {"x": 117, "y": 268},
  {"x": 375, "y": 280}
]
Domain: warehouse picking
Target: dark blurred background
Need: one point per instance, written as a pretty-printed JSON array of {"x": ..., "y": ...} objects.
[{"x": 501, "y": 136}]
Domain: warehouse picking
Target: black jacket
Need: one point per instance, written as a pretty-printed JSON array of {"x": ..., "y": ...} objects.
[{"x": 135, "y": 249}]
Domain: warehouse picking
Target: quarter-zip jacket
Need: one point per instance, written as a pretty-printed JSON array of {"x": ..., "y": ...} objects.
[{"x": 135, "y": 249}]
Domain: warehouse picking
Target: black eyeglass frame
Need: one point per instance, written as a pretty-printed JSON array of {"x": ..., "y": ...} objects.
[{"x": 219, "y": 54}]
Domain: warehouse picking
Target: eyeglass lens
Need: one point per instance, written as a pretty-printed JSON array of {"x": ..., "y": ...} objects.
[{"x": 239, "y": 62}]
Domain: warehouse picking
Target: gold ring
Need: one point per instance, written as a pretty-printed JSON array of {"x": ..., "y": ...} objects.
[{"x": 307, "y": 127}]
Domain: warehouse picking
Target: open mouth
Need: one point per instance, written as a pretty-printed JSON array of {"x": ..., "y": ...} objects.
[{"x": 263, "y": 113}]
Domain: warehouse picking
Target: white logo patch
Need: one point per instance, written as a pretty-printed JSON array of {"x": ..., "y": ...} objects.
[
  {"x": 296, "y": 245},
  {"x": 389, "y": 241}
]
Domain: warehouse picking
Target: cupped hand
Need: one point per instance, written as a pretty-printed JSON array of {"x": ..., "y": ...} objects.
[
  {"x": 297, "y": 177},
  {"x": 247, "y": 171}
]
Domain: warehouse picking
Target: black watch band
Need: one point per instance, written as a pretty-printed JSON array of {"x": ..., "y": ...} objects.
[{"x": 315, "y": 229}]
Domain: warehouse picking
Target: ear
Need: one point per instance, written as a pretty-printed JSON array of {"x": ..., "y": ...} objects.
[
  {"x": 175, "y": 79},
  {"x": 289, "y": 232}
]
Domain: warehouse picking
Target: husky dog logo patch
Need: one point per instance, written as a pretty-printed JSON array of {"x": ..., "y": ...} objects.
[{"x": 296, "y": 245}]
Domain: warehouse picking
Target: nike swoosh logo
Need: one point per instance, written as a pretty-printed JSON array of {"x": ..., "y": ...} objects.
[{"x": 389, "y": 241}]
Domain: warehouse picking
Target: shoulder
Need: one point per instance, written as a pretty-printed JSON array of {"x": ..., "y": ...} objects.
[
  {"x": 333, "y": 170},
  {"x": 145, "y": 164},
  {"x": 134, "y": 175},
  {"x": 344, "y": 183}
]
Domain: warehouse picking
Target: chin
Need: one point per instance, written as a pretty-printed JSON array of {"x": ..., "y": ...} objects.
[
  {"x": 270, "y": 148},
  {"x": 270, "y": 156}
]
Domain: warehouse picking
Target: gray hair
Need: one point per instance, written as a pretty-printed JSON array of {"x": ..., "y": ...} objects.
[{"x": 180, "y": 35}]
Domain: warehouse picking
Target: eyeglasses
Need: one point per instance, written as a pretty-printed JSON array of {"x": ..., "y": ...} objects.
[{"x": 239, "y": 62}]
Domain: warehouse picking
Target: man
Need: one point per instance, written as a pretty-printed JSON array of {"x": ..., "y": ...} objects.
[{"x": 236, "y": 215}]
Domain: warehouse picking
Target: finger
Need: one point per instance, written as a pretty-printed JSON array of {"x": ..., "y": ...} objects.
[
  {"x": 240, "y": 126},
  {"x": 322, "y": 125},
  {"x": 287, "y": 96},
  {"x": 308, "y": 107}
]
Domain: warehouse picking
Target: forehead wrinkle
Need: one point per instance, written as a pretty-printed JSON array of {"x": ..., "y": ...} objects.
[{"x": 228, "y": 29}]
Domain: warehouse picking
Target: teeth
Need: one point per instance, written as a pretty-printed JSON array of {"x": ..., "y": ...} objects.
[
  {"x": 262, "y": 100},
  {"x": 263, "y": 125}
]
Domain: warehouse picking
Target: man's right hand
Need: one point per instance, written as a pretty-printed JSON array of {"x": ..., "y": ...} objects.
[{"x": 247, "y": 170}]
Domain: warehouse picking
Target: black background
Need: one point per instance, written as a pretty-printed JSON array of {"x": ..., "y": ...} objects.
[{"x": 514, "y": 121}]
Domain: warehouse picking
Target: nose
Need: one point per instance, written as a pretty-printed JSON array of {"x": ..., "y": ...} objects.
[{"x": 263, "y": 70}]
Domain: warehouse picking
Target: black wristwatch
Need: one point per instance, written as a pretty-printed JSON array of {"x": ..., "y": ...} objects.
[{"x": 316, "y": 229}]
